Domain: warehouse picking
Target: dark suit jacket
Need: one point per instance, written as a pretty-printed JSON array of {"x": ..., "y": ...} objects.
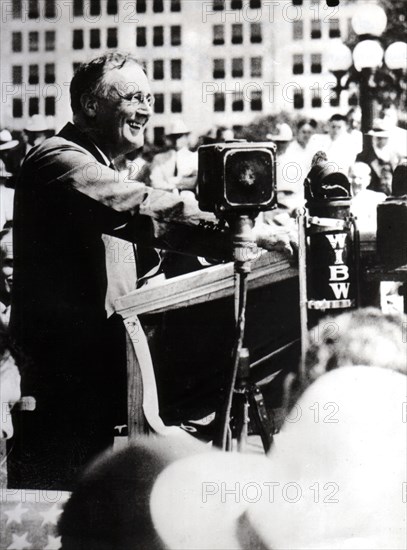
[{"x": 66, "y": 198}]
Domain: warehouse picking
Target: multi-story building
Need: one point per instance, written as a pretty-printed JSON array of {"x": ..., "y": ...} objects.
[{"x": 211, "y": 62}]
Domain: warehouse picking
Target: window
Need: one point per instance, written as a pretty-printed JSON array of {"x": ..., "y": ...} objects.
[
  {"x": 218, "y": 35},
  {"x": 95, "y": 38},
  {"x": 94, "y": 7},
  {"x": 17, "y": 74},
  {"x": 158, "y": 36},
  {"x": 237, "y": 101},
  {"x": 33, "y": 41},
  {"x": 176, "y": 69},
  {"x": 316, "y": 100},
  {"x": 298, "y": 99},
  {"x": 111, "y": 41},
  {"x": 236, "y": 4},
  {"x": 176, "y": 103},
  {"x": 33, "y": 9},
  {"x": 77, "y": 41},
  {"x": 297, "y": 2},
  {"x": 255, "y": 33},
  {"x": 33, "y": 74},
  {"x": 158, "y": 6},
  {"x": 256, "y": 67},
  {"x": 334, "y": 29},
  {"x": 17, "y": 107},
  {"x": 353, "y": 100},
  {"x": 218, "y": 5},
  {"x": 33, "y": 106},
  {"x": 49, "y": 73},
  {"x": 298, "y": 30},
  {"x": 175, "y": 5},
  {"x": 78, "y": 8},
  {"x": 50, "y": 106},
  {"x": 316, "y": 63},
  {"x": 237, "y": 33},
  {"x": 219, "y": 102},
  {"x": 333, "y": 99},
  {"x": 176, "y": 35},
  {"x": 49, "y": 41},
  {"x": 17, "y": 9},
  {"x": 111, "y": 7},
  {"x": 141, "y": 37},
  {"x": 159, "y": 133},
  {"x": 16, "y": 42},
  {"x": 158, "y": 69},
  {"x": 218, "y": 68},
  {"x": 50, "y": 12},
  {"x": 255, "y": 4},
  {"x": 315, "y": 28},
  {"x": 256, "y": 100},
  {"x": 237, "y": 67},
  {"x": 298, "y": 64},
  {"x": 158, "y": 103},
  {"x": 75, "y": 66},
  {"x": 141, "y": 6}
]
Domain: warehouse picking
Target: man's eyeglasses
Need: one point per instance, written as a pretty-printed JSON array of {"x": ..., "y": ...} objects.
[{"x": 137, "y": 98}]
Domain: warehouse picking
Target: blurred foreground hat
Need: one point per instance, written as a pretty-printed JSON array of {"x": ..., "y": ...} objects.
[
  {"x": 7, "y": 141},
  {"x": 3, "y": 171},
  {"x": 284, "y": 133},
  {"x": 37, "y": 123},
  {"x": 178, "y": 127},
  {"x": 380, "y": 128},
  {"x": 326, "y": 483}
]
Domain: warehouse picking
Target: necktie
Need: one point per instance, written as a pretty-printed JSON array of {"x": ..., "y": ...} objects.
[{"x": 176, "y": 166}]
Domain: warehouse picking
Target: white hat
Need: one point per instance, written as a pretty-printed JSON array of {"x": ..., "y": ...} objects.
[
  {"x": 178, "y": 127},
  {"x": 284, "y": 133},
  {"x": 37, "y": 123},
  {"x": 380, "y": 128},
  {"x": 333, "y": 479},
  {"x": 7, "y": 141}
]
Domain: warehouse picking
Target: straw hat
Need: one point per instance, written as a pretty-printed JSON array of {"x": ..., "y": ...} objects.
[
  {"x": 178, "y": 127},
  {"x": 37, "y": 123},
  {"x": 380, "y": 128},
  {"x": 284, "y": 133},
  {"x": 7, "y": 141}
]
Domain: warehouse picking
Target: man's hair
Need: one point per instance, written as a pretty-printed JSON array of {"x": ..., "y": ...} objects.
[
  {"x": 337, "y": 117},
  {"x": 89, "y": 77},
  {"x": 303, "y": 121}
]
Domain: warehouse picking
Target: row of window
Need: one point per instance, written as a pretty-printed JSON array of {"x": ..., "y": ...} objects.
[
  {"x": 238, "y": 101},
  {"x": 47, "y": 42},
  {"x": 47, "y": 8},
  {"x": 334, "y": 30},
  {"x": 33, "y": 74},
  {"x": 219, "y": 5},
  {"x": 160, "y": 101},
  {"x": 159, "y": 68},
  {"x": 78, "y": 42},
  {"x": 157, "y": 5},
  {"x": 316, "y": 63},
  {"x": 33, "y": 106},
  {"x": 237, "y": 34},
  {"x": 237, "y": 67},
  {"x": 158, "y": 38}
]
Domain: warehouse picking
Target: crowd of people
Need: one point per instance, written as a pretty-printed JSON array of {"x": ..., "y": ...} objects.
[{"x": 67, "y": 201}]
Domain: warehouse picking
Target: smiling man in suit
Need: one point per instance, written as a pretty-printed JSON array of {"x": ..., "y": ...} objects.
[{"x": 68, "y": 196}]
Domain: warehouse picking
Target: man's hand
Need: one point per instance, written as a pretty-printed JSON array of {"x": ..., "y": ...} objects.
[{"x": 273, "y": 237}]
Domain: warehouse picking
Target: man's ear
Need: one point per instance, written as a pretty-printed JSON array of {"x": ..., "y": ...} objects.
[{"x": 89, "y": 105}]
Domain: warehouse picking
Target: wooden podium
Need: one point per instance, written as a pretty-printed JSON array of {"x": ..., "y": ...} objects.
[{"x": 187, "y": 294}]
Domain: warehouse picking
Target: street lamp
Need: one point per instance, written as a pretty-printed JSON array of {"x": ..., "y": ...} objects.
[{"x": 369, "y": 22}]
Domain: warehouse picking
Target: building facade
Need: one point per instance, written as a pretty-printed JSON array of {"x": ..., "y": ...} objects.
[{"x": 211, "y": 62}]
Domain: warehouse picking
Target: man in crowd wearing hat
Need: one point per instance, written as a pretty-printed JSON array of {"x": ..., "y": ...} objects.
[
  {"x": 6, "y": 196},
  {"x": 364, "y": 201},
  {"x": 67, "y": 197},
  {"x": 176, "y": 168},
  {"x": 36, "y": 130},
  {"x": 9, "y": 154},
  {"x": 380, "y": 156}
]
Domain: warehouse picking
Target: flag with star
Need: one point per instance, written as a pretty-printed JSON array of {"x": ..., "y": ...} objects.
[{"x": 28, "y": 519}]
